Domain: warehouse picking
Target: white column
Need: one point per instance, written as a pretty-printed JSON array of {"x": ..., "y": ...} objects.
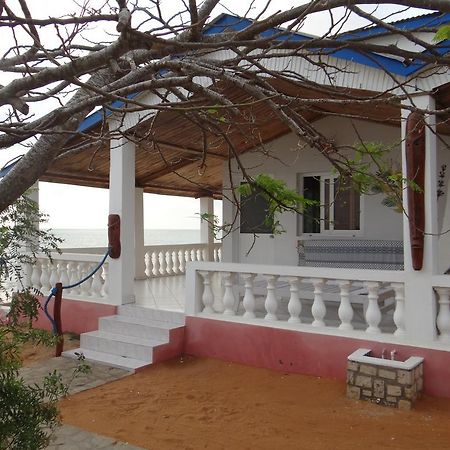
[
  {"x": 139, "y": 252},
  {"x": 420, "y": 303},
  {"x": 121, "y": 201},
  {"x": 206, "y": 230}
]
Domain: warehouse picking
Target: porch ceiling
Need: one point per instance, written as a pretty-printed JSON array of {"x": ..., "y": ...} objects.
[{"x": 170, "y": 157}]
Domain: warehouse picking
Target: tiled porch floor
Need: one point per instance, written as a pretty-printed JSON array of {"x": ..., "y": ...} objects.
[{"x": 161, "y": 293}]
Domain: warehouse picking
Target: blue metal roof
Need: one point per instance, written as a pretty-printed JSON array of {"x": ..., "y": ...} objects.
[
  {"x": 9, "y": 165},
  {"x": 227, "y": 22}
]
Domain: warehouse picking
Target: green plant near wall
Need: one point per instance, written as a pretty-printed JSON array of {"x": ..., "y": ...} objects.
[{"x": 28, "y": 414}]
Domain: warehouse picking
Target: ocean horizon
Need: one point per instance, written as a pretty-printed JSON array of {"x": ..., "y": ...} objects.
[{"x": 95, "y": 237}]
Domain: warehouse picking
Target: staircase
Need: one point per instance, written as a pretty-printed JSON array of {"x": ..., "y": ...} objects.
[{"x": 134, "y": 338}]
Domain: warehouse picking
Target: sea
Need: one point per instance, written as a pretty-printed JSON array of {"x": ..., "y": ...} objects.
[{"x": 73, "y": 237}]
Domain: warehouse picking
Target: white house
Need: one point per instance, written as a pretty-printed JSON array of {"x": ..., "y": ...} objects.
[{"x": 338, "y": 279}]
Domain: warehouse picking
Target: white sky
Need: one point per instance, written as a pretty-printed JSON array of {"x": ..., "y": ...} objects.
[{"x": 81, "y": 207}]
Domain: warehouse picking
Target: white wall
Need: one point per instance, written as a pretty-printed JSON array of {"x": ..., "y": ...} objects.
[
  {"x": 444, "y": 207},
  {"x": 285, "y": 159}
]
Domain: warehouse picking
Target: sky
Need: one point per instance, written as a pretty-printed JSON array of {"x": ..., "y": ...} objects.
[{"x": 81, "y": 207}]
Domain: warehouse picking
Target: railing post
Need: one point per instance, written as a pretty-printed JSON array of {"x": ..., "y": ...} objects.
[
  {"x": 399, "y": 313},
  {"x": 57, "y": 319},
  {"x": 345, "y": 310},
  {"x": 318, "y": 308},
  {"x": 249, "y": 298},
  {"x": 271, "y": 303},
  {"x": 443, "y": 318},
  {"x": 294, "y": 305},
  {"x": 373, "y": 313}
]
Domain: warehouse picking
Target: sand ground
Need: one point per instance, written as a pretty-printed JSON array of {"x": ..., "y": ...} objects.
[{"x": 192, "y": 403}]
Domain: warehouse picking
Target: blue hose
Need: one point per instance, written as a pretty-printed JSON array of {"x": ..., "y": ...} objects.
[{"x": 53, "y": 291}]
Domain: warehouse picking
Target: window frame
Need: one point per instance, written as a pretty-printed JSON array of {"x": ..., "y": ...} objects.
[{"x": 331, "y": 232}]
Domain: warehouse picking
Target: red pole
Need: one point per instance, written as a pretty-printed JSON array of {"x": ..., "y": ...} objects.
[{"x": 57, "y": 318}]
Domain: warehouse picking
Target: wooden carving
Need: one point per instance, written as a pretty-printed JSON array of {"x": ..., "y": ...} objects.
[
  {"x": 114, "y": 236},
  {"x": 415, "y": 172}
]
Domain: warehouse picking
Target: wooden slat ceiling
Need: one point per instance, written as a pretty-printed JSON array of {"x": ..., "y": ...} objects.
[{"x": 170, "y": 157}]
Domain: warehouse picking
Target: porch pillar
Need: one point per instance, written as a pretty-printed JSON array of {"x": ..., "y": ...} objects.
[
  {"x": 32, "y": 194},
  {"x": 121, "y": 201},
  {"x": 206, "y": 230},
  {"x": 420, "y": 303},
  {"x": 139, "y": 251}
]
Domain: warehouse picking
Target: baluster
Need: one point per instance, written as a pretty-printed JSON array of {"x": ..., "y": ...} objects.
[
  {"x": 399, "y": 313},
  {"x": 318, "y": 308},
  {"x": 229, "y": 301},
  {"x": 156, "y": 264},
  {"x": 36, "y": 275},
  {"x": 249, "y": 299},
  {"x": 294, "y": 305},
  {"x": 54, "y": 278},
  {"x": 182, "y": 261},
  {"x": 162, "y": 263},
  {"x": 96, "y": 287},
  {"x": 208, "y": 296},
  {"x": 175, "y": 262},
  {"x": 345, "y": 310},
  {"x": 148, "y": 264},
  {"x": 73, "y": 277},
  {"x": 64, "y": 277},
  {"x": 443, "y": 318},
  {"x": 373, "y": 313},
  {"x": 105, "y": 290},
  {"x": 45, "y": 278},
  {"x": 168, "y": 258},
  {"x": 86, "y": 286},
  {"x": 219, "y": 254},
  {"x": 27, "y": 271},
  {"x": 271, "y": 303}
]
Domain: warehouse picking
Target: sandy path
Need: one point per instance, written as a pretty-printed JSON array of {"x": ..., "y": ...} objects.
[{"x": 209, "y": 404}]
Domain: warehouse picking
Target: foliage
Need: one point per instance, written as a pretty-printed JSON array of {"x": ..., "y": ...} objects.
[
  {"x": 28, "y": 413},
  {"x": 373, "y": 172},
  {"x": 279, "y": 197},
  {"x": 442, "y": 34},
  {"x": 21, "y": 239}
]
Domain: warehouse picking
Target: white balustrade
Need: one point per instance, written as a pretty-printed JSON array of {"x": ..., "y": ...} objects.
[
  {"x": 69, "y": 269},
  {"x": 167, "y": 260},
  {"x": 341, "y": 301}
]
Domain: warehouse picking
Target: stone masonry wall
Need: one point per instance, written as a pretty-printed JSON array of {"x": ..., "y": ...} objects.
[{"x": 384, "y": 385}]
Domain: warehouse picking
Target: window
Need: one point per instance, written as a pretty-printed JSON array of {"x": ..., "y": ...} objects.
[
  {"x": 254, "y": 210},
  {"x": 338, "y": 207}
]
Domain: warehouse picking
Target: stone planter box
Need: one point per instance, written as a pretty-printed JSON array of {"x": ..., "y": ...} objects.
[{"x": 383, "y": 381}]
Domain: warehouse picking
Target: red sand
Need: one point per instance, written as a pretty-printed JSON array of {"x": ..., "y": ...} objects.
[{"x": 209, "y": 404}]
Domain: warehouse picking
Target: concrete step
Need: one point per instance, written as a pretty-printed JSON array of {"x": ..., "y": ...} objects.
[
  {"x": 139, "y": 312},
  {"x": 117, "y": 344},
  {"x": 108, "y": 359},
  {"x": 132, "y": 326}
]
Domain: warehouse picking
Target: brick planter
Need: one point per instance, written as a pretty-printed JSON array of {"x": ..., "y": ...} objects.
[{"x": 390, "y": 383}]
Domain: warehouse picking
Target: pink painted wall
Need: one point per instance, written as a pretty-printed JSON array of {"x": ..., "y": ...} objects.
[
  {"x": 299, "y": 352},
  {"x": 76, "y": 316}
]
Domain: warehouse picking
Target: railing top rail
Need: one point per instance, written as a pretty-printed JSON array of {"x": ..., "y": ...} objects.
[
  {"x": 388, "y": 276},
  {"x": 79, "y": 257},
  {"x": 441, "y": 281},
  {"x": 177, "y": 246}
]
